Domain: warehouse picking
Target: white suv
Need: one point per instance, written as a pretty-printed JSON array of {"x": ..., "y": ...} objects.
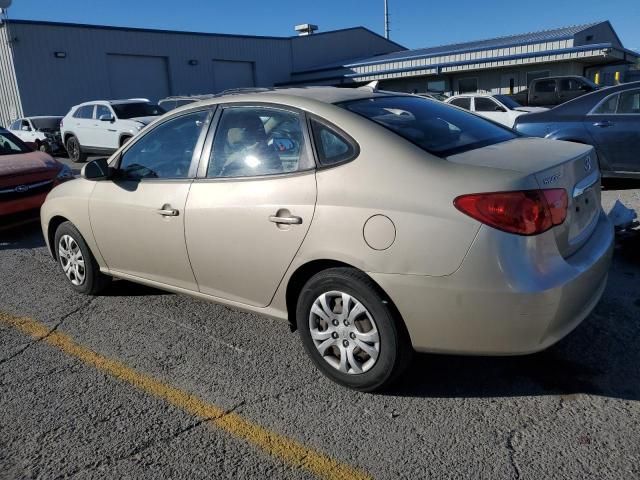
[{"x": 101, "y": 127}]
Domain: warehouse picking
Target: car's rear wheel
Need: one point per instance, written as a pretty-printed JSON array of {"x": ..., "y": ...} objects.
[
  {"x": 350, "y": 330},
  {"x": 77, "y": 262},
  {"x": 74, "y": 149}
]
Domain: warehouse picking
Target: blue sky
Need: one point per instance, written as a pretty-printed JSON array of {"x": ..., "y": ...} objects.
[{"x": 414, "y": 23}]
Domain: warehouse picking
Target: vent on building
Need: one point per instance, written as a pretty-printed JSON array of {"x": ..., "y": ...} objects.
[{"x": 306, "y": 29}]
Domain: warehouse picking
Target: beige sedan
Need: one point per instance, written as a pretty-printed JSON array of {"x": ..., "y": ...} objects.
[{"x": 375, "y": 223}]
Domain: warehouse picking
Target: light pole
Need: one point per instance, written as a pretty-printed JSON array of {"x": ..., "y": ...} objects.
[{"x": 386, "y": 19}]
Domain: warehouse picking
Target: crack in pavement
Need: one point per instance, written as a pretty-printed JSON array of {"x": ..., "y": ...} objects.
[
  {"x": 512, "y": 454},
  {"x": 93, "y": 466},
  {"x": 51, "y": 331}
]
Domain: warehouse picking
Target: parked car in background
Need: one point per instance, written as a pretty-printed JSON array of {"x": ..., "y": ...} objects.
[
  {"x": 499, "y": 108},
  {"x": 43, "y": 131},
  {"x": 171, "y": 103},
  {"x": 101, "y": 127},
  {"x": 26, "y": 176},
  {"x": 552, "y": 91},
  {"x": 608, "y": 119},
  {"x": 434, "y": 95},
  {"x": 397, "y": 223}
]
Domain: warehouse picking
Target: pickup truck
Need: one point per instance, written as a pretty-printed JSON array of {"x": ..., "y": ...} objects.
[{"x": 552, "y": 91}]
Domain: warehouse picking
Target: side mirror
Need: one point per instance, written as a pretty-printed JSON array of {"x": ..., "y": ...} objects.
[
  {"x": 106, "y": 118},
  {"x": 97, "y": 170}
]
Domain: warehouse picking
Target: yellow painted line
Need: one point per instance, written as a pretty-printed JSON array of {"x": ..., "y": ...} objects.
[{"x": 279, "y": 446}]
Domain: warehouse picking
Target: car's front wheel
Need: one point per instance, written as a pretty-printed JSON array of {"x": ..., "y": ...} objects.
[
  {"x": 74, "y": 149},
  {"x": 350, "y": 330},
  {"x": 77, "y": 262}
]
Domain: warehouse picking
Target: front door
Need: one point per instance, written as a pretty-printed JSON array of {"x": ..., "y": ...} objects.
[
  {"x": 248, "y": 216},
  {"x": 489, "y": 108},
  {"x": 138, "y": 217},
  {"x": 615, "y": 127},
  {"x": 105, "y": 133}
]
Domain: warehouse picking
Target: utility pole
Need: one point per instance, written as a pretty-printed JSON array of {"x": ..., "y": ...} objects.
[{"x": 386, "y": 19}]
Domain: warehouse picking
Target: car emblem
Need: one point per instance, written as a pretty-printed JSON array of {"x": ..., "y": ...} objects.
[
  {"x": 21, "y": 188},
  {"x": 587, "y": 163}
]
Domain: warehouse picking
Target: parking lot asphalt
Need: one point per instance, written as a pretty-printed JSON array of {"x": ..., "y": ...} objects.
[{"x": 138, "y": 383}]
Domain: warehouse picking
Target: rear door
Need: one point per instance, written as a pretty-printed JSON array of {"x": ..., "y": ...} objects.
[
  {"x": 543, "y": 93},
  {"x": 251, "y": 207},
  {"x": 615, "y": 126}
]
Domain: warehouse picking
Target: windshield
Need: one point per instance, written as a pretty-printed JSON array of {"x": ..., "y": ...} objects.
[
  {"x": 436, "y": 127},
  {"x": 507, "y": 101},
  {"x": 11, "y": 145},
  {"x": 134, "y": 110},
  {"x": 46, "y": 124}
]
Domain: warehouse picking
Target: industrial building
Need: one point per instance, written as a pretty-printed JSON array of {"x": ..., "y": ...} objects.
[{"x": 47, "y": 67}]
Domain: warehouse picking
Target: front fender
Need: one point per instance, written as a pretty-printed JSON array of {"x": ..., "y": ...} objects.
[{"x": 70, "y": 201}]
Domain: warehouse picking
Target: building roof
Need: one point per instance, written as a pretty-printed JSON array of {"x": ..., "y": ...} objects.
[{"x": 554, "y": 34}]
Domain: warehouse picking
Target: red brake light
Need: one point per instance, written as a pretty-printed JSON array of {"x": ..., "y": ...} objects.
[{"x": 526, "y": 212}]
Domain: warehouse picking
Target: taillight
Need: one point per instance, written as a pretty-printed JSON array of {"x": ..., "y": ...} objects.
[{"x": 526, "y": 212}]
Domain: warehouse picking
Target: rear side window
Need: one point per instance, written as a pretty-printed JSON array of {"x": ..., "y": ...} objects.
[
  {"x": 432, "y": 126},
  {"x": 332, "y": 146},
  {"x": 462, "y": 103},
  {"x": 486, "y": 105},
  {"x": 545, "y": 86},
  {"x": 84, "y": 112},
  {"x": 15, "y": 125}
]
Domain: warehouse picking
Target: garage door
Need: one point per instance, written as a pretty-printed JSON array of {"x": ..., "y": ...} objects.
[
  {"x": 137, "y": 76},
  {"x": 230, "y": 74}
]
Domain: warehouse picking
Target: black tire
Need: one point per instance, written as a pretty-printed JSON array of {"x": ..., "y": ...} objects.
[
  {"x": 94, "y": 281},
  {"x": 395, "y": 349},
  {"x": 43, "y": 147},
  {"x": 74, "y": 150}
]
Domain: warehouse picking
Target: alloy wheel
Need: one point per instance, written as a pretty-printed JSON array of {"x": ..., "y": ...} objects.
[
  {"x": 71, "y": 260},
  {"x": 344, "y": 332}
]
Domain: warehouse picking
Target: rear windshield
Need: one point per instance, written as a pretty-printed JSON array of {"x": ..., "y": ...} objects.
[
  {"x": 436, "y": 127},
  {"x": 48, "y": 124},
  {"x": 11, "y": 145},
  {"x": 134, "y": 110}
]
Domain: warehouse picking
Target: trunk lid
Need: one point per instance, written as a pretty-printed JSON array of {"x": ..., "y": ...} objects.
[{"x": 553, "y": 164}]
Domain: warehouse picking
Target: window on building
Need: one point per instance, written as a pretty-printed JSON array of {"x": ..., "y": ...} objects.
[
  {"x": 629, "y": 102},
  {"x": 436, "y": 86},
  {"x": 85, "y": 112},
  {"x": 462, "y": 102},
  {"x": 483, "y": 104},
  {"x": 468, "y": 85}
]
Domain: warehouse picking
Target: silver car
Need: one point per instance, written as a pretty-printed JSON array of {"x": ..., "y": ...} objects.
[{"x": 375, "y": 223}]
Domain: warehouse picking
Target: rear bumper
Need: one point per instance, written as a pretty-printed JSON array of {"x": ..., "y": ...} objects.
[{"x": 512, "y": 295}]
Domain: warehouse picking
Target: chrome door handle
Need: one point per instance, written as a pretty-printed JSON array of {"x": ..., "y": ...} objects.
[
  {"x": 604, "y": 124},
  {"x": 292, "y": 220},
  {"x": 167, "y": 211}
]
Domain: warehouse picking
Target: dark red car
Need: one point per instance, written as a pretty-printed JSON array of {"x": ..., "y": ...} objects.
[{"x": 26, "y": 176}]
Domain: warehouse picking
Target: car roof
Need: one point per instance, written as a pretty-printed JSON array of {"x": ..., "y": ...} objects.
[
  {"x": 41, "y": 117},
  {"x": 114, "y": 102}
]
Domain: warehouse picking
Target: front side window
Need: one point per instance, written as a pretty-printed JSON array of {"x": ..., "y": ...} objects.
[
  {"x": 629, "y": 102},
  {"x": 462, "y": 103},
  {"x": 26, "y": 126},
  {"x": 166, "y": 151},
  {"x": 508, "y": 102},
  {"x": 433, "y": 126},
  {"x": 125, "y": 111},
  {"x": 85, "y": 112},
  {"x": 254, "y": 141},
  {"x": 103, "y": 111},
  {"x": 11, "y": 145},
  {"x": 487, "y": 105}
]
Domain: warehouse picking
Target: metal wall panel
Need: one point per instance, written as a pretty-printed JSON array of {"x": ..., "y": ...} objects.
[
  {"x": 232, "y": 74},
  {"x": 137, "y": 76},
  {"x": 10, "y": 105}
]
